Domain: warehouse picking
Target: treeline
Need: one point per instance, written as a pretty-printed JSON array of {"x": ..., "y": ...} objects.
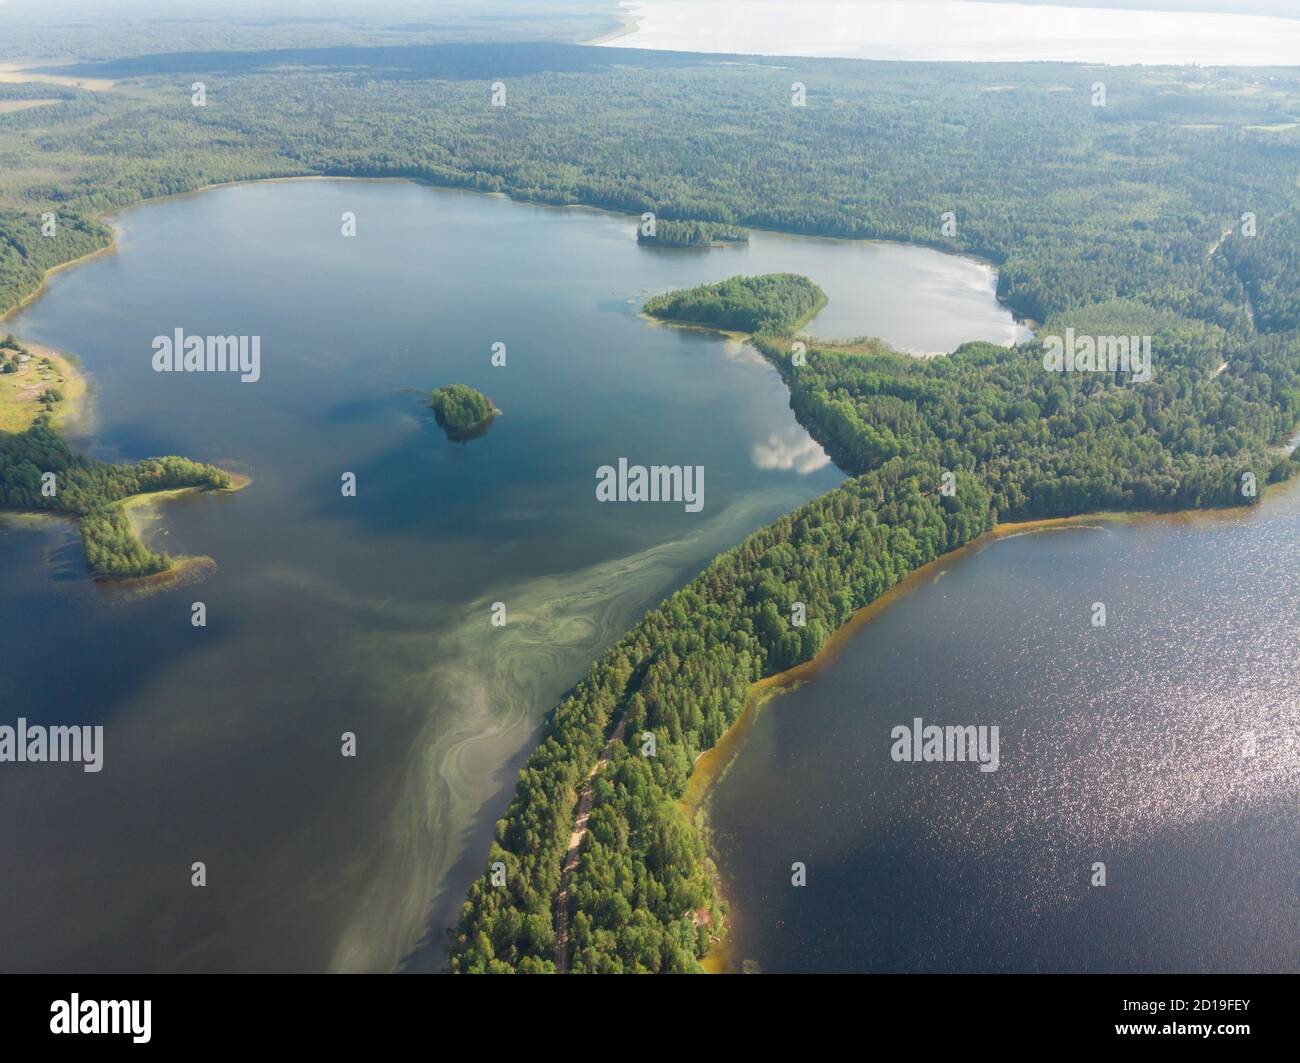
[
  {"x": 1104, "y": 215},
  {"x": 26, "y": 254},
  {"x": 773, "y": 302},
  {"x": 89, "y": 490},
  {"x": 884, "y": 151},
  {"x": 643, "y": 893},
  {"x": 670, "y": 233},
  {"x": 1018, "y": 442},
  {"x": 10, "y": 353},
  {"x": 1052, "y": 444},
  {"x": 108, "y": 31}
]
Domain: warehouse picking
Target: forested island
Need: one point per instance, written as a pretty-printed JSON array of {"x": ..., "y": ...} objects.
[
  {"x": 1172, "y": 212},
  {"x": 462, "y": 412},
  {"x": 773, "y": 302},
  {"x": 692, "y": 234},
  {"x": 627, "y": 130},
  {"x": 1019, "y": 443},
  {"x": 40, "y": 472}
]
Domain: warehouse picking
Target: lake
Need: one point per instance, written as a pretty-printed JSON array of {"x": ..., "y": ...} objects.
[
  {"x": 960, "y": 30},
  {"x": 371, "y": 614},
  {"x": 1162, "y": 745}
]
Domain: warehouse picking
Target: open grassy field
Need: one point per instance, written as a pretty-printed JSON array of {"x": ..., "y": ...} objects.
[
  {"x": 20, "y": 391},
  {"x": 18, "y": 73}
]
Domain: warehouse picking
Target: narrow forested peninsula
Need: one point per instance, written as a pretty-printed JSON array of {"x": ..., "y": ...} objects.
[
  {"x": 773, "y": 302},
  {"x": 1136, "y": 219},
  {"x": 1014, "y": 442},
  {"x": 40, "y": 472}
]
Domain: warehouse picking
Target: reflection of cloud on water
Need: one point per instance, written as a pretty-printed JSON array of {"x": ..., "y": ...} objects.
[
  {"x": 792, "y": 449},
  {"x": 740, "y": 352}
]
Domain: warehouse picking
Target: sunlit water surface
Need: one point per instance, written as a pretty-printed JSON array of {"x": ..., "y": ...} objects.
[
  {"x": 1164, "y": 746},
  {"x": 372, "y": 614}
]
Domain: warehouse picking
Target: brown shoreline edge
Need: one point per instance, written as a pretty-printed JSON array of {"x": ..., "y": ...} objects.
[
  {"x": 72, "y": 417},
  {"x": 69, "y": 415},
  {"x": 27, "y": 300},
  {"x": 714, "y": 764},
  {"x": 185, "y": 570},
  {"x": 711, "y": 765},
  {"x": 110, "y": 212}
]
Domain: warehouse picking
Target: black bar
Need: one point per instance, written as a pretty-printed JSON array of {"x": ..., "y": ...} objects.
[{"x": 600, "y": 1015}]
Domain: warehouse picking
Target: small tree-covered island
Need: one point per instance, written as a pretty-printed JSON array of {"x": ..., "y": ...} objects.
[
  {"x": 39, "y": 472},
  {"x": 772, "y": 302},
  {"x": 692, "y": 234},
  {"x": 938, "y": 452},
  {"x": 462, "y": 412},
  {"x": 1172, "y": 213}
]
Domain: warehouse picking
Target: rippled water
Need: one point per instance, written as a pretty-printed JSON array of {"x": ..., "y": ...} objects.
[
  {"x": 1165, "y": 745},
  {"x": 371, "y": 614}
]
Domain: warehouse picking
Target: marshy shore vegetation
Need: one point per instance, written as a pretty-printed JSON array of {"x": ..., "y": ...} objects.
[
  {"x": 40, "y": 472},
  {"x": 941, "y": 451},
  {"x": 1138, "y": 218}
]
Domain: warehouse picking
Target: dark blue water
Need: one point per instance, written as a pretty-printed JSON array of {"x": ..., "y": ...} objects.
[
  {"x": 371, "y": 614},
  {"x": 1124, "y": 745}
]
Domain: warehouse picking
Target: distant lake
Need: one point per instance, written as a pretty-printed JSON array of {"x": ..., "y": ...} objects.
[
  {"x": 1162, "y": 746},
  {"x": 371, "y": 614},
  {"x": 951, "y": 30}
]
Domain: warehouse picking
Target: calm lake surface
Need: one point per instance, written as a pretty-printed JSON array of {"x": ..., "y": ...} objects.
[
  {"x": 371, "y": 614},
  {"x": 1121, "y": 744},
  {"x": 961, "y": 30}
]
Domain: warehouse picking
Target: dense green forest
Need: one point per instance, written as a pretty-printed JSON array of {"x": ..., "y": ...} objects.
[
  {"x": 90, "y": 490},
  {"x": 93, "y": 30},
  {"x": 459, "y": 408},
  {"x": 692, "y": 234},
  {"x": 1011, "y": 441},
  {"x": 1169, "y": 212},
  {"x": 684, "y": 673},
  {"x": 39, "y": 471},
  {"x": 1055, "y": 444},
  {"x": 774, "y": 302},
  {"x": 1077, "y": 205}
]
